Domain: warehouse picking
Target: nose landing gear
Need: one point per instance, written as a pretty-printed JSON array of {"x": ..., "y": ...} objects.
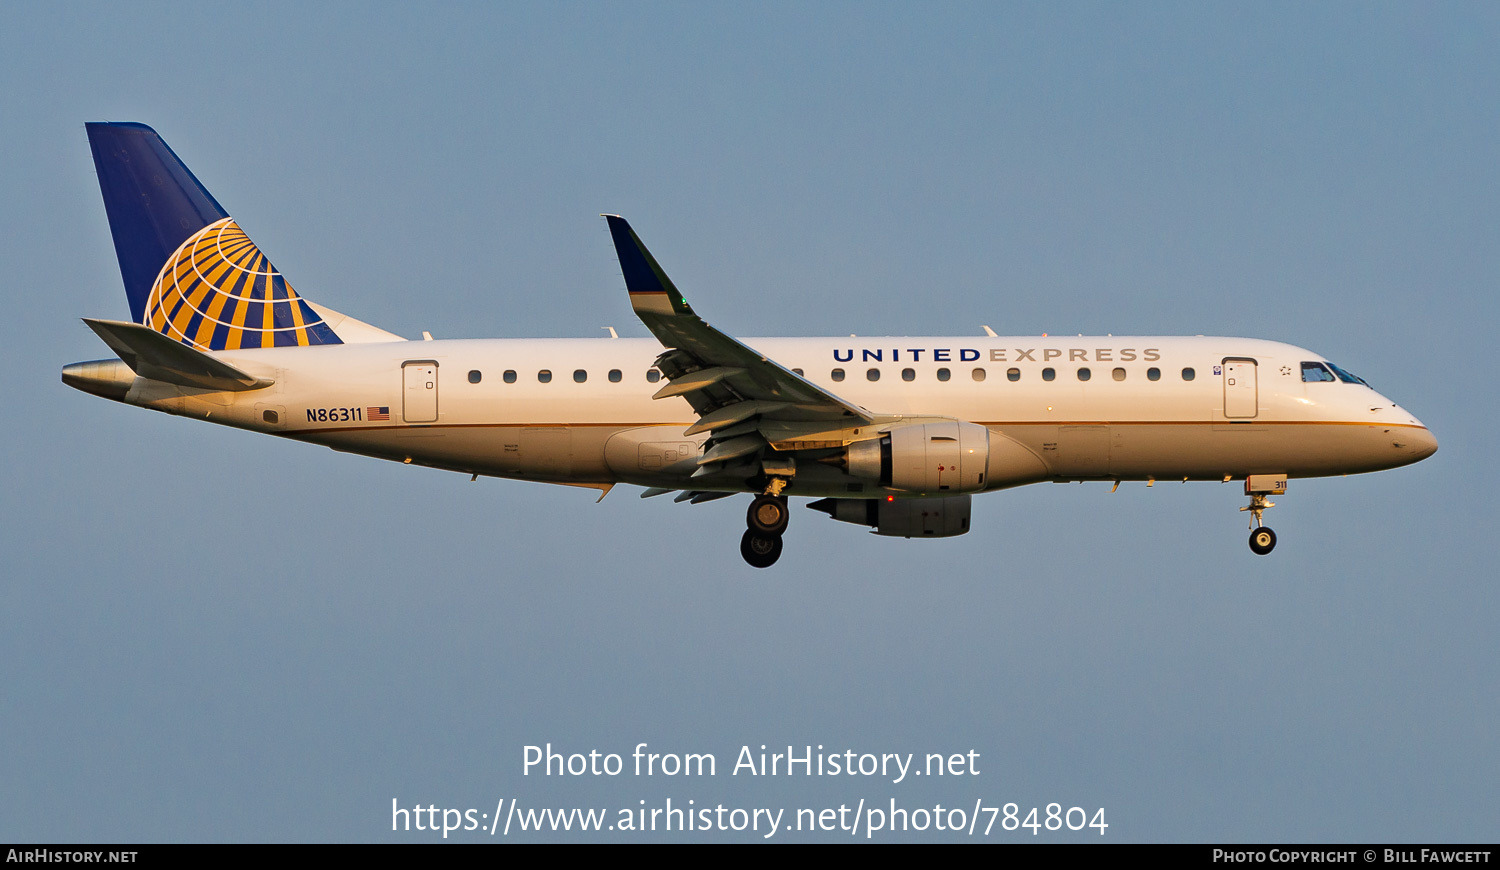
[
  {"x": 767, "y": 520},
  {"x": 1258, "y": 486},
  {"x": 1262, "y": 541}
]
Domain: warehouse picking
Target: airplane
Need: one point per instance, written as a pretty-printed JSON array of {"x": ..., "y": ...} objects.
[{"x": 893, "y": 433}]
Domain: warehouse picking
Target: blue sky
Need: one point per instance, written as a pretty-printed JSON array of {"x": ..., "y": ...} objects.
[{"x": 212, "y": 635}]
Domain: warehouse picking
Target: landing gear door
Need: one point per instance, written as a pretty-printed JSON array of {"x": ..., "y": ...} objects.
[
  {"x": 1240, "y": 401},
  {"x": 419, "y": 393}
]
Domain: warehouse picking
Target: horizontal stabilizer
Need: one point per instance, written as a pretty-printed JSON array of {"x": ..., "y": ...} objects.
[{"x": 153, "y": 355}]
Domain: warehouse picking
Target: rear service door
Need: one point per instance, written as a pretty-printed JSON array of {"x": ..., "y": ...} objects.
[
  {"x": 1240, "y": 401},
  {"x": 419, "y": 394}
]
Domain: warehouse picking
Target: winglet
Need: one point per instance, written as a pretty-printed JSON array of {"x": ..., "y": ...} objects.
[{"x": 651, "y": 291}]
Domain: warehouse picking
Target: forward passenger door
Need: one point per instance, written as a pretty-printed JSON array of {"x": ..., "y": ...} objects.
[{"x": 1240, "y": 396}]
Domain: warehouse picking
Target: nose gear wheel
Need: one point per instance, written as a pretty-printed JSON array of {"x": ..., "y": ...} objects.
[{"x": 1262, "y": 539}]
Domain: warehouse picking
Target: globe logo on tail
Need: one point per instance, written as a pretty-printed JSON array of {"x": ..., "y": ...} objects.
[{"x": 219, "y": 292}]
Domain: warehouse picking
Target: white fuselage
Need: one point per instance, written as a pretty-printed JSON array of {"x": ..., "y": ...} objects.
[{"x": 1245, "y": 410}]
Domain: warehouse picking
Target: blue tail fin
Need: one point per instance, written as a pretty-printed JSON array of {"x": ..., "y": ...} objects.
[{"x": 190, "y": 272}]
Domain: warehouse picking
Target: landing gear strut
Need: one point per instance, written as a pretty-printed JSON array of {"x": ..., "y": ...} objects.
[
  {"x": 1258, "y": 486},
  {"x": 767, "y": 520}
]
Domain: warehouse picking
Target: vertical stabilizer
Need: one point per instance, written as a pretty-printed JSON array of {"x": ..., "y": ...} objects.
[{"x": 190, "y": 272}]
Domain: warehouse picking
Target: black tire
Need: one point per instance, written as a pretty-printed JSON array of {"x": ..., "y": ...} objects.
[
  {"x": 768, "y": 515},
  {"x": 761, "y": 551},
  {"x": 1262, "y": 541}
]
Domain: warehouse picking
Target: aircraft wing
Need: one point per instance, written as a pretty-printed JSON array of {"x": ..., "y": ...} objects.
[{"x": 733, "y": 388}]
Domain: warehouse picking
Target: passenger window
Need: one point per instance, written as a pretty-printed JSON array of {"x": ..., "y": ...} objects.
[
  {"x": 837, "y": 374},
  {"x": 1084, "y": 374},
  {"x": 944, "y": 374},
  {"x": 579, "y": 376},
  {"x": 652, "y": 375},
  {"x": 545, "y": 376},
  {"x": 979, "y": 374},
  {"x": 510, "y": 376},
  {"x": 1315, "y": 371},
  {"x": 872, "y": 374},
  {"x": 1153, "y": 374},
  {"x": 908, "y": 374},
  {"x": 615, "y": 376},
  {"x": 474, "y": 376},
  {"x": 1118, "y": 374},
  {"x": 1188, "y": 374},
  {"x": 1049, "y": 374}
]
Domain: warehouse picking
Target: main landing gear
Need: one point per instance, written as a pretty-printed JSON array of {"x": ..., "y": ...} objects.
[
  {"x": 767, "y": 520},
  {"x": 1258, "y": 486},
  {"x": 761, "y": 551}
]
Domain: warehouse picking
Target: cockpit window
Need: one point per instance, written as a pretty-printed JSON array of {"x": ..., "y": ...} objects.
[
  {"x": 1315, "y": 371},
  {"x": 1347, "y": 377}
]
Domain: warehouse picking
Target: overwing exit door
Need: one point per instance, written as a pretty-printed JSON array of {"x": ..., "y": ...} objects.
[
  {"x": 419, "y": 394},
  {"x": 1240, "y": 400}
]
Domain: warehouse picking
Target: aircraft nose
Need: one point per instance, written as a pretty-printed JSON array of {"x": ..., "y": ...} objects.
[{"x": 1421, "y": 443}]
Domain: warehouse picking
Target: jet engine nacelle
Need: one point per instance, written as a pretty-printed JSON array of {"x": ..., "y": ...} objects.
[
  {"x": 902, "y": 517},
  {"x": 947, "y": 456}
]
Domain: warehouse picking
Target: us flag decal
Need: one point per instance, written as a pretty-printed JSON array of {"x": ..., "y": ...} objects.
[{"x": 381, "y": 413}]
